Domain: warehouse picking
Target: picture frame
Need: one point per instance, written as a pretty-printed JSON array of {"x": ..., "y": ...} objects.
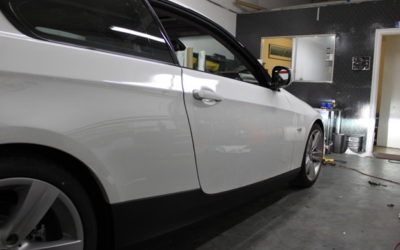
[{"x": 279, "y": 52}]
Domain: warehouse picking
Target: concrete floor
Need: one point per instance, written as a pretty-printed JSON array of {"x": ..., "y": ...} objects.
[
  {"x": 393, "y": 151},
  {"x": 341, "y": 211}
]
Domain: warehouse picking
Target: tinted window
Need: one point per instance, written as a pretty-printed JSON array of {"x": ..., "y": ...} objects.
[
  {"x": 199, "y": 49},
  {"x": 123, "y": 26}
]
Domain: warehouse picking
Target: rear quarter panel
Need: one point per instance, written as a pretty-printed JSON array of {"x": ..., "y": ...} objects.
[{"x": 123, "y": 117}]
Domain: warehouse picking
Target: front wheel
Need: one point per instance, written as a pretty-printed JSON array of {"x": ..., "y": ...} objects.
[{"x": 312, "y": 158}]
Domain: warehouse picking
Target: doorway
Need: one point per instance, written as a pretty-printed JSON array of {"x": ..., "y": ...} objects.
[{"x": 386, "y": 90}]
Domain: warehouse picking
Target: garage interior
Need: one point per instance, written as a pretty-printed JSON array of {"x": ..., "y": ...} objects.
[
  {"x": 345, "y": 60},
  {"x": 140, "y": 124}
]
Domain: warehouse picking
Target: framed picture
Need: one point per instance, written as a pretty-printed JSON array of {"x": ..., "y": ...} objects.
[{"x": 280, "y": 52}]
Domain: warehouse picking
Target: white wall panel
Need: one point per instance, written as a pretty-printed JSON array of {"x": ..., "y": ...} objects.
[{"x": 223, "y": 17}]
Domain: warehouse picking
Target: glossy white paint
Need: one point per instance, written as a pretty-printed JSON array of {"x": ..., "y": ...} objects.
[
  {"x": 125, "y": 118},
  {"x": 305, "y": 119},
  {"x": 245, "y": 138},
  {"x": 122, "y": 116}
]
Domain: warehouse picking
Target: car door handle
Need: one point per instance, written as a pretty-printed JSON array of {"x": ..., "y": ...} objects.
[{"x": 206, "y": 96}]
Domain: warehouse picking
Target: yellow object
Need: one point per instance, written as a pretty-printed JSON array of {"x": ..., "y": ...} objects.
[
  {"x": 210, "y": 66},
  {"x": 329, "y": 160},
  {"x": 270, "y": 63},
  {"x": 249, "y": 5},
  {"x": 189, "y": 58}
]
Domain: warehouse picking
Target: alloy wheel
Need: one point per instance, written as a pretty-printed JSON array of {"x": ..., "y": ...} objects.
[
  {"x": 37, "y": 215},
  {"x": 314, "y": 154}
]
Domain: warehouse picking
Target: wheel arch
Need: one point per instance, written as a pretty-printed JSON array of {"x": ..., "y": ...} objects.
[
  {"x": 320, "y": 123},
  {"x": 75, "y": 167},
  {"x": 309, "y": 126},
  {"x": 78, "y": 170}
]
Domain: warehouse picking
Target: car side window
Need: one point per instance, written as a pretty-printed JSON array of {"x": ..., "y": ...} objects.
[
  {"x": 199, "y": 49},
  {"x": 122, "y": 26}
]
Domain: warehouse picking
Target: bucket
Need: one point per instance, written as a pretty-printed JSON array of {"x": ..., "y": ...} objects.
[
  {"x": 355, "y": 143},
  {"x": 339, "y": 143}
]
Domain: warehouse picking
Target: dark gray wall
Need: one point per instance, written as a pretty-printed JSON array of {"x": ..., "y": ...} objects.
[{"x": 354, "y": 25}]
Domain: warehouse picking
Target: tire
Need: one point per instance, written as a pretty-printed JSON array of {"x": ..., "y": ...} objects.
[
  {"x": 312, "y": 158},
  {"x": 42, "y": 205}
]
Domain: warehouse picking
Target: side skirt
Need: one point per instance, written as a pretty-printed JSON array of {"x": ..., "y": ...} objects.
[{"x": 140, "y": 220}]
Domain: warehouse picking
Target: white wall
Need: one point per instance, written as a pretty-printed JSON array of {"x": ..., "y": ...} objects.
[
  {"x": 223, "y": 17},
  {"x": 389, "y": 115},
  {"x": 272, "y": 4},
  {"x": 208, "y": 44},
  {"x": 203, "y": 43},
  {"x": 267, "y": 4}
]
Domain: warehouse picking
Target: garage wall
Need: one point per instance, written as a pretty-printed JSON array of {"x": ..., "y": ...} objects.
[
  {"x": 354, "y": 25},
  {"x": 223, "y": 17}
]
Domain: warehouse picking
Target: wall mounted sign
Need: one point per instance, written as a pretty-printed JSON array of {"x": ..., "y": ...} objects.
[
  {"x": 280, "y": 52},
  {"x": 361, "y": 63}
]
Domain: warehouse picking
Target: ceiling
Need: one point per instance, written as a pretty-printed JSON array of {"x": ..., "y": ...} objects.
[{"x": 275, "y": 4}]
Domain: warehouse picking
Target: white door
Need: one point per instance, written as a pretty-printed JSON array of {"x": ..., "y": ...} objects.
[
  {"x": 244, "y": 138},
  {"x": 389, "y": 115},
  {"x": 242, "y": 132}
]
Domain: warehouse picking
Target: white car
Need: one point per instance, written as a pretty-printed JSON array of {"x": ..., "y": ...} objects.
[{"x": 123, "y": 119}]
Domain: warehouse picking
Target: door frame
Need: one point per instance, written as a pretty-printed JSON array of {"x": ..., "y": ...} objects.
[{"x": 375, "y": 85}]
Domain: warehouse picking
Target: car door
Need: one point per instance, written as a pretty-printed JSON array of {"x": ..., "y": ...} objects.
[{"x": 242, "y": 132}]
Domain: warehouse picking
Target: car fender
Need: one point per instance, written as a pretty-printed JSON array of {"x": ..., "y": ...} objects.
[{"x": 51, "y": 139}]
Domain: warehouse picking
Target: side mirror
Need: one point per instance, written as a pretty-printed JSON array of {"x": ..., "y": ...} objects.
[
  {"x": 178, "y": 45},
  {"x": 281, "y": 77}
]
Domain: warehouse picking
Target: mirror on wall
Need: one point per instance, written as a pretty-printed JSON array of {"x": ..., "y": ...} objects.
[{"x": 311, "y": 58}]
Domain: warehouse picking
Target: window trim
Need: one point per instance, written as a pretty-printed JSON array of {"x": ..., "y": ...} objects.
[
  {"x": 11, "y": 15},
  {"x": 163, "y": 32},
  {"x": 230, "y": 42}
]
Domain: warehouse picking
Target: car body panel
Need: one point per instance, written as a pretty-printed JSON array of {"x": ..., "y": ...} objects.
[
  {"x": 127, "y": 119},
  {"x": 140, "y": 220},
  {"x": 245, "y": 138},
  {"x": 122, "y": 116},
  {"x": 306, "y": 116}
]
